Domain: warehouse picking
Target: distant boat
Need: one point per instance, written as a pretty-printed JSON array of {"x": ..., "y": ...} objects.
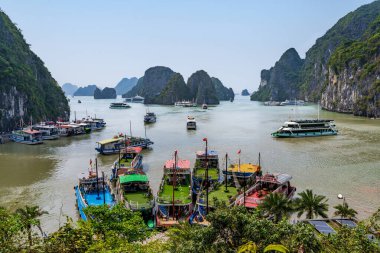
[
  {"x": 293, "y": 102},
  {"x": 185, "y": 103},
  {"x": 92, "y": 190},
  {"x": 48, "y": 132},
  {"x": 272, "y": 103},
  {"x": 191, "y": 124},
  {"x": 119, "y": 106},
  {"x": 306, "y": 128},
  {"x": 27, "y": 136},
  {"x": 204, "y": 106},
  {"x": 79, "y": 102},
  {"x": 150, "y": 117},
  {"x": 135, "y": 99},
  {"x": 119, "y": 142}
]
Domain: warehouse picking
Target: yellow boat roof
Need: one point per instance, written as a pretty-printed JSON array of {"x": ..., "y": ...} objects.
[
  {"x": 110, "y": 140},
  {"x": 244, "y": 167}
]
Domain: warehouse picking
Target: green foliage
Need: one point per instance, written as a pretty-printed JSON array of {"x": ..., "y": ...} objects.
[
  {"x": 24, "y": 76},
  {"x": 117, "y": 221},
  {"x": 311, "y": 204},
  {"x": 277, "y": 205},
  {"x": 343, "y": 210}
]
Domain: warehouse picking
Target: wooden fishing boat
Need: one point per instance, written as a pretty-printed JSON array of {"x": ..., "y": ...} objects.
[
  {"x": 266, "y": 184},
  {"x": 92, "y": 190},
  {"x": 130, "y": 160},
  {"x": 133, "y": 190},
  {"x": 48, "y": 132},
  {"x": 27, "y": 136},
  {"x": 173, "y": 201},
  {"x": 119, "y": 142}
]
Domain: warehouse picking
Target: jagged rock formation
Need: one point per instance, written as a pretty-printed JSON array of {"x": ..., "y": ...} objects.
[
  {"x": 202, "y": 88},
  {"x": 349, "y": 90},
  {"x": 354, "y": 76},
  {"x": 223, "y": 93},
  {"x": 69, "y": 89},
  {"x": 27, "y": 88},
  {"x": 151, "y": 84},
  {"x": 175, "y": 90},
  {"x": 106, "y": 93},
  {"x": 125, "y": 85},
  {"x": 86, "y": 91},
  {"x": 245, "y": 92},
  {"x": 281, "y": 81}
]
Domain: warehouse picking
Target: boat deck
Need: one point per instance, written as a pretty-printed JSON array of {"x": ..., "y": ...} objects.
[
  {"x": 221, "y": 195},
  {"x": 93, "y": 200},
  {"x": 138, "y": 199},
  {"x": 182, "y": 194},
  {"x": 213, "y": 173}
]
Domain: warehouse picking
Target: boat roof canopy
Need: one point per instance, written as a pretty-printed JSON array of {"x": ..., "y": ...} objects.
[
  {"x": 136, "y": 150},
  {"x": 209, "y": 153},
  {"x": 279, "y": 178},
  {"x": 110, "y": 140},
  {"x": 244, "y": 167},
  {"x": 181, "y": 164},
  {"x": 30, "y": 131},
  {"x": 124, "y": 179}
]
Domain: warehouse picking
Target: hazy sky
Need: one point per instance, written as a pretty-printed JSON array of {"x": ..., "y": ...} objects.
[{"x": 92, "y": 41}]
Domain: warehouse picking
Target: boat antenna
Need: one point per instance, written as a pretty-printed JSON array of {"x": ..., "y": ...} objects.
[
  {"x": 318, "y": 109},
  {"x": 226, "y": 190},
  {"x": 145, "y": 130},
  {"x": 119, "y": 157},
  {"x": 174, "y": 180},
  {"x": 104, "y": 190},
  {"x": 97, "y": 177},
  {"x": 205, "y": 140},
  {"x": 130, "y": 128},
  {"x": 75, "y": 114}
]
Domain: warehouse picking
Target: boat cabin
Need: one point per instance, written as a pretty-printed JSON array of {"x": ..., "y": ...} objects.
[{"x": 191, "y": 123}]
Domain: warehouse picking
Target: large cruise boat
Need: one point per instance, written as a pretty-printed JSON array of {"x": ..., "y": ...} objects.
[{"x": 306, "y": 128}]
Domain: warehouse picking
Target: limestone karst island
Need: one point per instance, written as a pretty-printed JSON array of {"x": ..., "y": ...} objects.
[{"x": 190, "y": 126}]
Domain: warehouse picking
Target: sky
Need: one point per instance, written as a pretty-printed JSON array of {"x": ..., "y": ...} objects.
[{"x": 101, "y": 41}]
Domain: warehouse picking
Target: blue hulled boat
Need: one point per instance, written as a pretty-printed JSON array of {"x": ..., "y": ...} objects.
[
  {"x": 27, "y": 136},
  {"x": 92, "y": 190}
]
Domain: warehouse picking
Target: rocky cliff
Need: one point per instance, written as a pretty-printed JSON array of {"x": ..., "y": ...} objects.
[
  {"x": 175, "y": 90},
  {"x": 202, "y": 88},
  {"x": 27, "y": 88},
  {"x": 125, "y": 85},
  {"x": 69, "y": 89},
  {"x": 245, "y": 92},
  {"x": 223, "y": 93},
  {"x": 151, "y": 84},
  {"x": 106, "y": 93},
  {"x": 281, "y": 81},
  {"x": 316, "y": 77},
  {"x": 353, "y": 84},
  {"x": 86, "y": 91}
]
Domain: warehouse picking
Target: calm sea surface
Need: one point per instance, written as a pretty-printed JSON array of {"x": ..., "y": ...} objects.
[{"x": 349, "y": 163}]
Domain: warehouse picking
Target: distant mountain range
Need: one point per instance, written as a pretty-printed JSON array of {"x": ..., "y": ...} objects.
[
  {"x": 341, "y": 69},
  {"x": 161, "y": 85},
  {"x": 69, "y": 89},
  {"x": 86, "y": 91},
  {"x": 125, "y": 85}
]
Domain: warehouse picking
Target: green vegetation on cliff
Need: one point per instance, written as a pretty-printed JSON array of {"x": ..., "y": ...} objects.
[
  {"x": 27, "y": 88},
  {"x": 175, "y": 90},
  {"x": 223, "y": 93},
  {"x": 202, "y": 88}
]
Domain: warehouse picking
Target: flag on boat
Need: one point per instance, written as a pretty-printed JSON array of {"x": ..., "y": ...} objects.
[
  {"x": 90, "y": 161},
  {"x": 239, "y": 151},
  {"x": 204, "y": 139}
]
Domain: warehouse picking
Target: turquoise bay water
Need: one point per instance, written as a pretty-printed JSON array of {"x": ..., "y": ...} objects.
[{"x": 349, "y": 163}]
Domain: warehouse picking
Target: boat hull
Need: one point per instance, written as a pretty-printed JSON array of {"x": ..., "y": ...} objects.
[{"x": 300, "y": 135}]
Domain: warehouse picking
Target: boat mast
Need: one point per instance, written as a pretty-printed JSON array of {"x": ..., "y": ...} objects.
[
  {"x": 205, "y": 139},
  {"x": 174, "y": 179},
  {"x": 318, "y": 110},
  {"x": 97, "y": 177},
  {"x": 130, "y": 128},
  {"x": 104, "y": 190},
  {"x": 226, "y": 172}
]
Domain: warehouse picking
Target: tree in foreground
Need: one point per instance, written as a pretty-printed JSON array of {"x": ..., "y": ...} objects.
[
  {"x": 277, "y": 205},
  {"x": 29, "y": 217},
  {"x": 311, "y": 204},
  {"x": 344, "y": 211}
]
